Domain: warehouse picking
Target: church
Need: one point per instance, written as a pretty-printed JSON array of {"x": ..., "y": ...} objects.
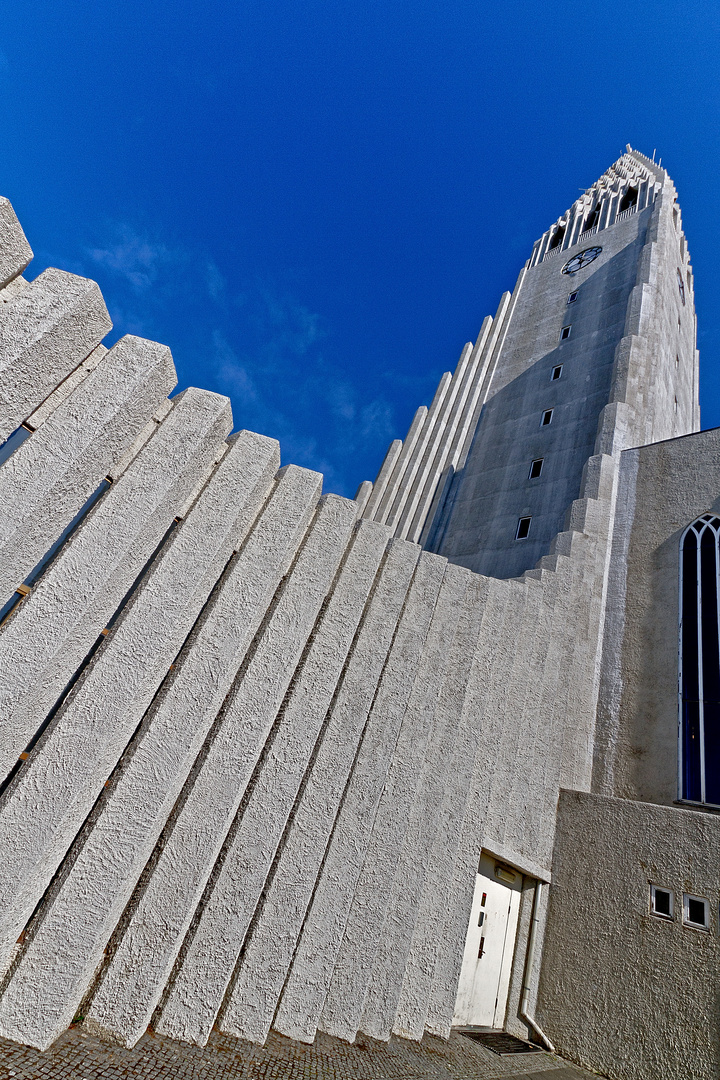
[{"x": 446, "y": 755}]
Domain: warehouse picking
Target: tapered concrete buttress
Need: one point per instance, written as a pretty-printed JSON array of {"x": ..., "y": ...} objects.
[
  {"x": 132, "y": 985},
  {"x": 92, "y": 729},
  {"x": 326, "y": 987},
  {"x": 428, "y": 932},
  {"x": 70, "y": 938},
  {"x": 509, "y": 656},
  {"x": 439, "y": 774},
  {"x": 46, "y": 330},
  {"x": 15, "y": 252},
  {"x": 49, "y": 477},
  {"x": 209, "y": 957},
  {"x": 44, "y": 642},
  {"x": 268, "y": 950}
]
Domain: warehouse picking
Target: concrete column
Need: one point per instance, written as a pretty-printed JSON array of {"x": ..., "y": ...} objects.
[
  {"x": 268, "y": 950},
  {"x": 435, "y": 929},
  {"x": 438, "y": 776},
  {"x": 49, "y": 636},
  {"x": 117, "y": 687},
  {"x": 208, "y": 960},
  {"x": 437, "y": 438},
  {"x": 396, "y": 479},
  {"x": 383, "y": 478},
  {"x": 46, "y": 330},
  {"x": 416, "y": 456},
  {"x": 339, "y": 972},
  {"x": 49, "y": 477},
  {"x": 15, "y": 252},
  {"x": 70, "y": 939},
  {"x": 132, "y": 984}
]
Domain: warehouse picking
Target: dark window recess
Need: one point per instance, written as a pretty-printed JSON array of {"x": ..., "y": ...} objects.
[
  {"x": 481, "y": 920},
  {"x": 696, "y": 911},
  {"x": 484, "y": 899},
  {"x": 557, "y": 238},
  {"x": 481, "y": 950},
  {"x": 535, "y": 468},
  {"x": 681, "y": 286},
  {"x": 565, "y": 333},
  {"x": 661, "y": 902},
  {"x": 546, "y": 418},
  {"x": 572, "y": 297},
  {"x": 22, "y": 591},
  {"x": 523, "y": 528},
  {"x": 629, "y": 199},
  {"x": 592, "y": 218},
  {"x": 12, "y": 442},
  {"x": 556, "y": 373}
]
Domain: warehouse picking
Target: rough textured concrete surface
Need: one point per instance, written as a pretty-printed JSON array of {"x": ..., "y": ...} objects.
[
  {"x": 47, "y": 480},
  {"x": 265, "y": 753},
  {"x": 45, "y": 641},
  {"x": 647, "y": 988},
  {"x": 208, "y": 961},
  {"x": 133, "y": 983},
  {"x": 46, "y": 330},
  {"x": 15, "y": 252}
]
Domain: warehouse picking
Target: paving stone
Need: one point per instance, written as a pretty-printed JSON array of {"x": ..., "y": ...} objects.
[{"x": 77, "y": 1055}]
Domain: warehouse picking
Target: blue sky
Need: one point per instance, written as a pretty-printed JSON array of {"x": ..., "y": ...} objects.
[{"x": 316, "y": 202}]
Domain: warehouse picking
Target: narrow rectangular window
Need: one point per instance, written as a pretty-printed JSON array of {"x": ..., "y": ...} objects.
[
  {"x": 535, "y": 468},
  {"x": 662, "y": 902},
  {"x": 546, "y": 418},
  {"x": 696, "y": 912},
  {"x": 572, "y": 297},
  {"x": 556, "y": 373},
  {"x": 523, "y": 528},
  {"x": 565, "y": 333}
]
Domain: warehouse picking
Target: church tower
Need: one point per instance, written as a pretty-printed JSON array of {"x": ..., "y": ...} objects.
[
  {"x": 441, "y": 757},
  {"x": 596, "y": 344}
]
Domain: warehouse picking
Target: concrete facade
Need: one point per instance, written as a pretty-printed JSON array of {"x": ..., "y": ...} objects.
[{"x": 255, "y": 740}]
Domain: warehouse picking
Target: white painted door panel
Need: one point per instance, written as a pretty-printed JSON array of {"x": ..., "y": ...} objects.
[{"x": 487, "y": 960}]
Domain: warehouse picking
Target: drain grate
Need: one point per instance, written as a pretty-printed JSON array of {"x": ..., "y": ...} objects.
[{"x": 502, "y": 1043}]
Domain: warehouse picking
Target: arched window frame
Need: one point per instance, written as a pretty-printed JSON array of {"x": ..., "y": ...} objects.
[{"x": 699, "y": 662}]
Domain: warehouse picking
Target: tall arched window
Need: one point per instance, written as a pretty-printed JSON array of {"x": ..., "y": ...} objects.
[{"x": 700, "y": 661}]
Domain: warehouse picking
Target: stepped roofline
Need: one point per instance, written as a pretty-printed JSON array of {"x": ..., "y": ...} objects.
[{"x": 631, "y": 184}]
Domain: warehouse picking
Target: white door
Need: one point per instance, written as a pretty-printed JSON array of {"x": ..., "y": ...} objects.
[{"x": 487, "y": 960}]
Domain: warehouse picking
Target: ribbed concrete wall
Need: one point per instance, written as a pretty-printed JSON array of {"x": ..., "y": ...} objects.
[{"x": 253, "y": 745}]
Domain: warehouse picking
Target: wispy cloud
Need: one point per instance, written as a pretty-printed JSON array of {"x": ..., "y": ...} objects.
[
  {"x": 254, "y": 340},
  {"x": 135, "y": 258}
]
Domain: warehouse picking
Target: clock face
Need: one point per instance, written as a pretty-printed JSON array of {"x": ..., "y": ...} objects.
[{"x": 581, "y": 259}]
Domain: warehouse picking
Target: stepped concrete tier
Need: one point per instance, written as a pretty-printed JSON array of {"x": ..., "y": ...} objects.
[{"x": 259, "y": 745}]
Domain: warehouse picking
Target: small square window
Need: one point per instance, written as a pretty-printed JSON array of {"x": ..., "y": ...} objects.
[
  {"x": 573, "y": 297},
  {"x": 662, "y": 902},
  {"x": 523, "y": 528},
  {"x": 547, "y": 417},
  {"x": 696, "y": 912},
  {"x": 556, "y": 373},
  {"x": 535, "y": 468},
  {"x": 565, "y": 333}
]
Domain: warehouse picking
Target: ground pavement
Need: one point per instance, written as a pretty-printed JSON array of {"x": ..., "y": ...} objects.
[{"x": 77, "y": 1055}]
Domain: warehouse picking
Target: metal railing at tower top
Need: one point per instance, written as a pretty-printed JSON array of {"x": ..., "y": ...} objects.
[{"x": 626, "y": 213}]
